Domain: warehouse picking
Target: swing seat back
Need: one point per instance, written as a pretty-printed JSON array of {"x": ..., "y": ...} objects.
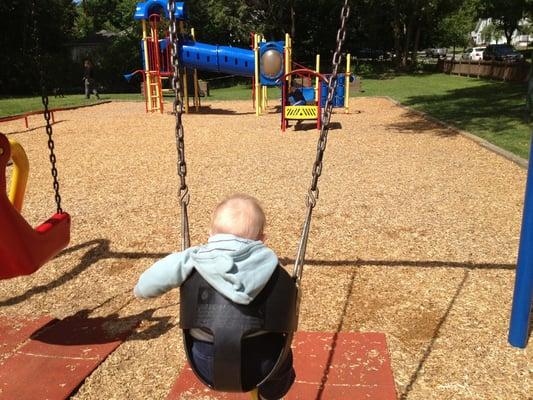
[
  {"x": 273, "y": 310},
  {"x": 23, "y": 250}
]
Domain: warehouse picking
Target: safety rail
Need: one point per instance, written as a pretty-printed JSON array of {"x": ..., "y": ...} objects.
[{"x": 52, "y": 111}]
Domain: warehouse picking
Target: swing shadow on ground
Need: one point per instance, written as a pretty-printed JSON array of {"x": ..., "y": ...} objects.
[
  {"x": 99, "y": 249},
  {"x": 82, "y": 329},
  {"x": 340, "y": 325},
  {"x": 468, "y": 267},
  {"x": 27, "y": 130},
  {"x": 359, "y": 262},
  {"x": 436, "y": 332}
]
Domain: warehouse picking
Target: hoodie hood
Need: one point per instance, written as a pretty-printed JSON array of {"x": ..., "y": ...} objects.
[{"x": 236, "y": 267}]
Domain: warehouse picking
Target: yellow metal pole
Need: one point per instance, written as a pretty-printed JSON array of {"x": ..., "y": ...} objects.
[
  {"x": 195, "y": 71},
  {"x": 158, "y": 100},
  {"x": 147, "y": 78},
  {"x": 257, "y": 84},
  {"x": 347, "y": 85},
  {"x": 288, "y": 57},
  {"x": 264, "y": 94},
  {"x": 19, "y": 180},
  {"x": 317, "y": 81},
  {"x": 261, "y": 39},
  {"x": 185, "y": 80}
]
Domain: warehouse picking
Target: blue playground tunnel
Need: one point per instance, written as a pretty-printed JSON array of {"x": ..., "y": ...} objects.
[
  {"x": 222, "y": 59},
  {"x": 215, "y": 58}
]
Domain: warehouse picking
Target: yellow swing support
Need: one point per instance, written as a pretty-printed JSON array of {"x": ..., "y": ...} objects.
[{"x": 19, "y": 179}]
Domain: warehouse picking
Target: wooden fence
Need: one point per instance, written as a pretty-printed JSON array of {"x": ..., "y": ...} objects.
[{"x": 500, "y": 70}]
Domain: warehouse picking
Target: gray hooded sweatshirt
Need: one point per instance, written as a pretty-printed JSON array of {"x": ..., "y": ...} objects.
[{"x": 237, "y": 268}]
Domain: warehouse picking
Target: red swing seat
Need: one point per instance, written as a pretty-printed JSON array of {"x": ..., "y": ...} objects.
[{"x": 23, "y": 250}]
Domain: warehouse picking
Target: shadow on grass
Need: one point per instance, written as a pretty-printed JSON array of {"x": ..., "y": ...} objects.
[
  {"x": 492, "y": 110},
  {"x": 389, "y": 72}
]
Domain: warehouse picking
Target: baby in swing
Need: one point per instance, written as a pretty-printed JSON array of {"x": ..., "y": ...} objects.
[{"x": 236, "y": 263}]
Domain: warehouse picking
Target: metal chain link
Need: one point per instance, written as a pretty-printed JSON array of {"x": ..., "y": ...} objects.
[
  {"x": 184, "y": 196},
  {"x": 46, "y": 113},
  {"x": 51, "y": 145},
  {"x": 313, "y": 192}
]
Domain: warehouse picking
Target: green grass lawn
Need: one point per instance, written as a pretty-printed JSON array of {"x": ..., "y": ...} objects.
[
  {"x": 492, "y": 110},
  {"x": 19, "y": 105}
]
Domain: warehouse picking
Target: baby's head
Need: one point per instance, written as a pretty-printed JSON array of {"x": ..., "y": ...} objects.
[{"x": 240, "y": 215}]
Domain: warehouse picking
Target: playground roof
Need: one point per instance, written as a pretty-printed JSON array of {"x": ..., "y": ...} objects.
[{"x": 144, "y": 9}]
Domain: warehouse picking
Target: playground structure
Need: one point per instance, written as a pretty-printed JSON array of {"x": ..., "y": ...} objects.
[
  {"x": 267, "y": 63},
  {"x": 307, "y": 109}
]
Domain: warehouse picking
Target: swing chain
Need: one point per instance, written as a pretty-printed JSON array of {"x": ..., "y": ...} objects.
[
  {"x": 47, "y": 114},
  {"x": 51, "y": 145},
  {"x": 177, "y": 108},
  {"x": 313, "y": 192}
]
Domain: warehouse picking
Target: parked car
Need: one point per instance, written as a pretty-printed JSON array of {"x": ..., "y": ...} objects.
[
  {"x": 371, "y": 54},
  {"x": 473, "y": 54},
  {"x": 501, "y": 52},
  {"x": 436, "y": 52}
]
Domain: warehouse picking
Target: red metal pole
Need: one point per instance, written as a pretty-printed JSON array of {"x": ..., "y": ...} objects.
[
  {"x": 283, "y": 100},
  {"x": 319, "y": 105}
]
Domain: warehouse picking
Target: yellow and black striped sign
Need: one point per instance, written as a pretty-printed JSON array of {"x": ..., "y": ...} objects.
[{"x": 301, "y": 112}]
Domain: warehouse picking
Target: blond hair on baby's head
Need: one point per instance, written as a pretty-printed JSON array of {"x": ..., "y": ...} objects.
[{"x": 240, "y": 215}]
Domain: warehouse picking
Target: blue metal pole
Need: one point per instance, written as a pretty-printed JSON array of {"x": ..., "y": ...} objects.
[{"x": 523, "y": 291}]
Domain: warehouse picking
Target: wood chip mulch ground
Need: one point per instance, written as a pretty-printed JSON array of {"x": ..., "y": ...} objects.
[{"x": 415, "y": 235}]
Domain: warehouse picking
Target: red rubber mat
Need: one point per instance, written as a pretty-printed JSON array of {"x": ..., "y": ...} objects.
[
  {"x": 14, "y": 331},
  {"x": 329, "y": 366},
  {"x": 54, "y": 361}
]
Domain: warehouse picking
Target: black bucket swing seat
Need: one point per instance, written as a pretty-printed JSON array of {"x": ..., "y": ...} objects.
[{"x": 273, "y": 310}]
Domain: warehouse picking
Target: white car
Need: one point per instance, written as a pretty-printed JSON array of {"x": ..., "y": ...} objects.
[{"x": 473, "y": 54}]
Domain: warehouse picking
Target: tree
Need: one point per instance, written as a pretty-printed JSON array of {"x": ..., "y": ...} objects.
[
  {"x": 526, "y": 27},
  {"x": 506, "y": 14},
  {"x": 454, "y": 29},
  {"x": 491, "y": 32},
  {"x": 33, "y": 27},
  {"x": 409, "y": 20},
  {"x": 224, "y": 21}
]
